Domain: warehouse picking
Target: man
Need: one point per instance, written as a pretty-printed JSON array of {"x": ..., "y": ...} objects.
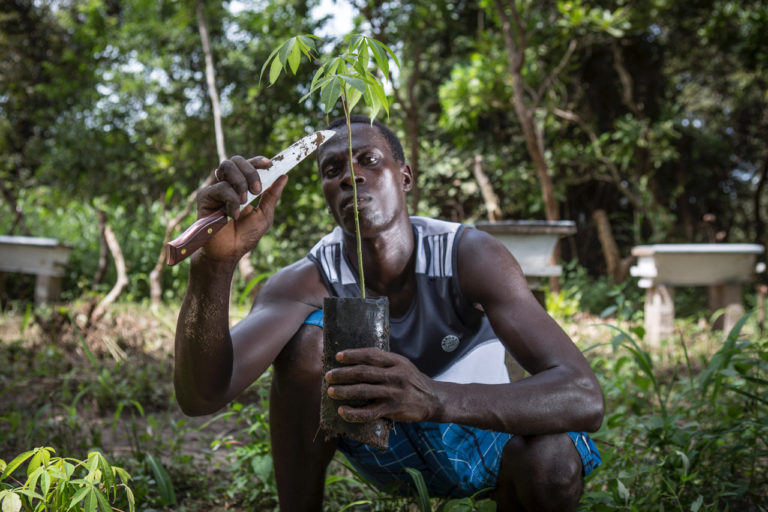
[{"x": 457, "y": 299}]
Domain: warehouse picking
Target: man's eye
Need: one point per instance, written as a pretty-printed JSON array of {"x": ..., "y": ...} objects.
[
  {"x": 369, "y": 160},
  {"x": 331, "y": 171}
]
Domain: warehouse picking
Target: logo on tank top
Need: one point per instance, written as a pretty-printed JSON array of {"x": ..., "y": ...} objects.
[{"x": 449, "y": 343}]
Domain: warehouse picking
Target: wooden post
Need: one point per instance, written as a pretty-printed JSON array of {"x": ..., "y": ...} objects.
[
  {"x": 728, "y": 298},
  {"x": 659, "y": 313},
  {"x": 47, "y": 288}
]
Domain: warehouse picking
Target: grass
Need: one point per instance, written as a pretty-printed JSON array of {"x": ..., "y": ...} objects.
[{"x": 686, "y": 425}]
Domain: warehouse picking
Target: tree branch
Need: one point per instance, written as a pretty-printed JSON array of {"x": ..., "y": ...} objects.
[
  {"x": 545, "y": 85},
  {"x": 122, "y": 276}
]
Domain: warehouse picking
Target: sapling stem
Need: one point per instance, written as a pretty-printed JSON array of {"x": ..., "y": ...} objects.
[{"x": 348, "y": 119}]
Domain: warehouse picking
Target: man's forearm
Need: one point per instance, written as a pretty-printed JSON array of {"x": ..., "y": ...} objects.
[
  {"x": 203, "y": 347},
  {"x": 541, "y": 404}
]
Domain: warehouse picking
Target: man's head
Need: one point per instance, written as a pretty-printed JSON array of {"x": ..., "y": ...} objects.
[
  {"x": 381, "y": 176},
  {"x": 394, "y": 143}
]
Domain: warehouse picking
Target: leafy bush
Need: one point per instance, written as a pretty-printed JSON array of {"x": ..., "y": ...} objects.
[
  {"x": 63, "y": 483},
  {"x": 600, "y": 295},
  {"x": 693, "y": 440}
]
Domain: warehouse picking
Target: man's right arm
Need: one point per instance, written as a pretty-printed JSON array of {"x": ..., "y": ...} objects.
[{"x": 212, "y": 365}]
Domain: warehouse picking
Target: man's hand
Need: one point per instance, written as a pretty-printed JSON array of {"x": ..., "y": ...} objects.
[
  {"x": 392, "y": 385},
  {"x": 236, "y": 177}
]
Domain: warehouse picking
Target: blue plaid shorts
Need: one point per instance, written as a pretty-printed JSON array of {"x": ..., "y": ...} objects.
[{"x": 455, "y": 460}]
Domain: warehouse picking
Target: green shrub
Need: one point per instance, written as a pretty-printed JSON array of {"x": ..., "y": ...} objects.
[
  {"x": 693, "y": 440},
  {"x": 58, "y": 483}
]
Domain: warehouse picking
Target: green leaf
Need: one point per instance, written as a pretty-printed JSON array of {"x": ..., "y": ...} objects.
[
  {"x": 93, "y": 462},
  {"x": 354, "y": 504},
  {"x": 131, "y": 499},
  {"x": 122, "y": 474},
  {"x": 31, "y": 494},
  {"x": 33, "y": 477},
  {"x": 91, "y": 501},
  {"x": 45, "y": 482},
  {"x": 319, "y": 85},
  {"x": 363, "y": 57},
  {"x": 307, "y": 42},
  {"x": 79, "y": 496},
  {"x": 458, "y": 505},
  {"x": 285, "y": 50},
  {"x": 163, "y": 481},
  {"x": 486, "y": 506},
  {"x": 696, "y": 505},
  {"x": 266, "y": 62},
  {"x": 251, "y": 284},
  {"x": 11, "y": 502},
  {"x": 354, "y": 98},
  {"x": 106, "y": 471},
  {"x": 274, "y": 71},
  {"x": 330, "y": 94},
  {"x": 623, "y": 491},
  {"x": 262, "y": 466},
  {"x": 102, "y": 500},
  {"x": 15, "y": 463},
  {"x": 41, "y": 458},
  {"x": 294, "y": 58},
  {"x": 353, "y": 82},
  {"x": 421, "y": 487}
]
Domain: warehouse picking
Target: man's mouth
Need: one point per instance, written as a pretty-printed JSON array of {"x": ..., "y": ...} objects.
[{"x": 348, "y": 203}]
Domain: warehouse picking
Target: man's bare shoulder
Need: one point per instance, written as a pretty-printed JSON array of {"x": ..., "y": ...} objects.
[
  {"x": 484, "y": 264},
  {"x": 299, "y": 282}
]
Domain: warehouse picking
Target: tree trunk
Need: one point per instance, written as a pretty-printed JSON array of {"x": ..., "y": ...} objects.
[
  {"x": 515, "y": 41},
  {"x": 489, "y": 196},
  {"x": 758, "y": 197},
  {"x": 210, "y": 78},
  {"x": 18, "y": 216},
  {"x": 616, "y": 268},
  {"x": 244, "y": 265},
  {"x": 534, "y": 138},
  {"x": 122, "y": 276},
  {"x": 101, "y": 270}
]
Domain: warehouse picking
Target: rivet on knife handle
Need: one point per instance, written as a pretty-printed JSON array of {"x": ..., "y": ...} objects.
[{"x": 195, "y": 236}]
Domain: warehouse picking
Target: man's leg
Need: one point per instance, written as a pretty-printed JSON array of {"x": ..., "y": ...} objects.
[
  {"x": 300, "y": 451},
  {"x": 539, "y": 473}
]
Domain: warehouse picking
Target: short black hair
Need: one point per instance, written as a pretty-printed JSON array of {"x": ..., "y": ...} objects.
[{"x": 394, "y": 143}]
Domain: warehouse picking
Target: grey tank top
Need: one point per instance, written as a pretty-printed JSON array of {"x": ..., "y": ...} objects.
[{"x": 442, "y": 333}]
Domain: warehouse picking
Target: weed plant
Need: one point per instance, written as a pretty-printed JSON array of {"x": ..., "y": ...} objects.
[{"x": 688, "y": 437}]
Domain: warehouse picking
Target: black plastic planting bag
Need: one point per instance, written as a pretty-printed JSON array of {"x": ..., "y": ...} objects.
[{"x": 353, "y": 323}]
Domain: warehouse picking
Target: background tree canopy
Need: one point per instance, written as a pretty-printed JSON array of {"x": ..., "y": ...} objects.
[{"x": 655, "y": 113}]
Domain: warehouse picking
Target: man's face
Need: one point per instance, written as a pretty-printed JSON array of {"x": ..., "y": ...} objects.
[{"x": 381, "y": 181}]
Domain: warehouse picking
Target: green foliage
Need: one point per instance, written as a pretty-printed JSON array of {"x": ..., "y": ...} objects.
[
  {"x": 469, "y": 504},
  {"x": 597, "y": 295},
  {"x": 690, "y": 440},
  {"x": 63, "y": 483},
  {"x": 347, "y": 77}
]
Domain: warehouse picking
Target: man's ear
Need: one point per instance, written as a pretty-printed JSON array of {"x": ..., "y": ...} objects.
[{"x": 407, "y": 177}]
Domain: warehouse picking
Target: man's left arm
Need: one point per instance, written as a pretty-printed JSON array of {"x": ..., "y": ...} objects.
[{"x": 562, "y": 394}]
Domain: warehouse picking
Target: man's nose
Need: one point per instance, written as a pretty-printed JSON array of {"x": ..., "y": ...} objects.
[{"x": 347, "y": 179}]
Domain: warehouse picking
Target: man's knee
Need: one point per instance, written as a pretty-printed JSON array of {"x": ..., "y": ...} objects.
[
  {"x": 541, "y": 473},
  {"x": 301, "y": 360}
]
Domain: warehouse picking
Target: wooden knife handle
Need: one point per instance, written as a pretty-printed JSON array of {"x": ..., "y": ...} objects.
[{"x": 195, "y": 236}]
